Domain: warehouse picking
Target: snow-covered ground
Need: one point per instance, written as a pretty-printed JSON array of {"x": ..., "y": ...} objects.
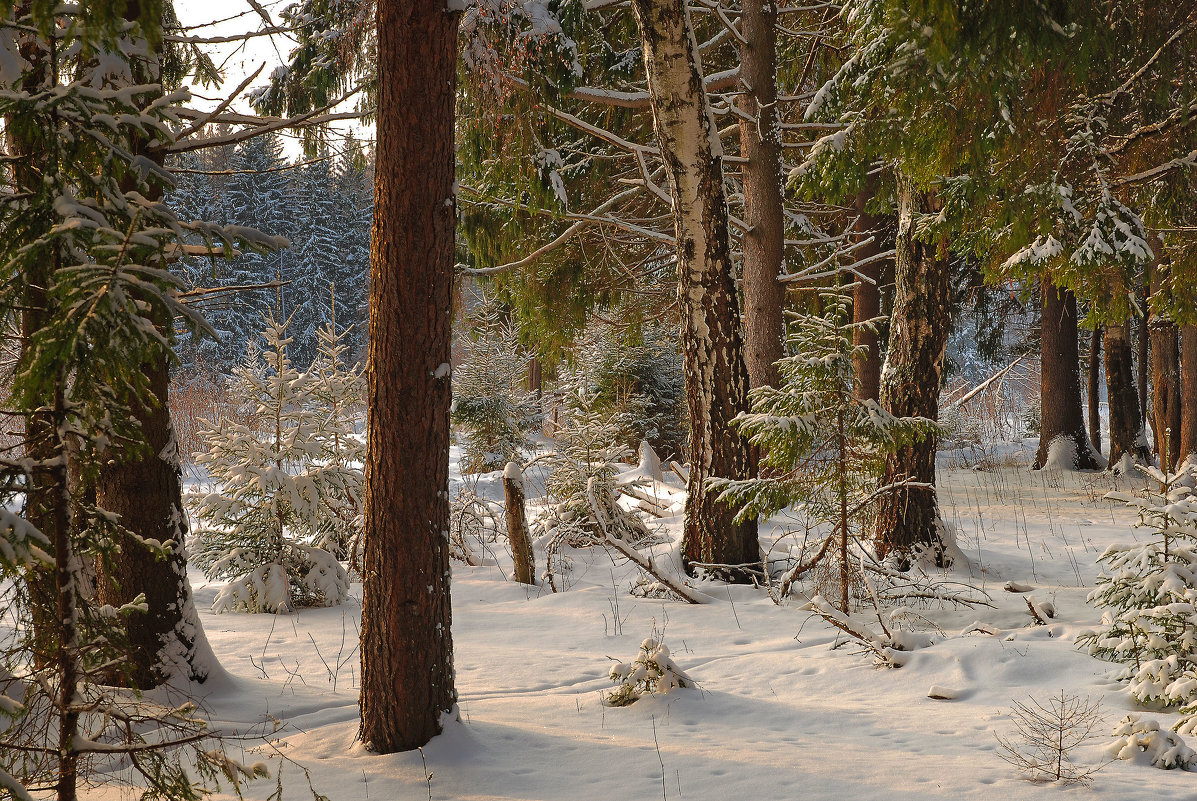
[{"x": 779, "y": 711}]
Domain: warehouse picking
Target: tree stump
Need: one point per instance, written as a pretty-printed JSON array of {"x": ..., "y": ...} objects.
[{"x": 517, "y": 524}]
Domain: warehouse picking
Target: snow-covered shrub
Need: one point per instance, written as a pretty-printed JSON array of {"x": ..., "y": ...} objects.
[
  {"x": 475, "y": 523},
  {"x": 1148, "y": 591},
  {"x": 581, "y": 488},
  {"x": 491, "y": 403},
  {"x": 276, "y": 494},
  {"x": 1143, "y": 742},
  {"x": 650, "y": 673}
]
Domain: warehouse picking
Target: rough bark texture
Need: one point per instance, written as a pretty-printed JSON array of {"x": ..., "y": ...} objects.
[
  {"x": 27, "y": 144},
  {"x": 1126, "y": 420},
  {"x": 866, "y": 302},
  {"x": 406, "y": 647},
  {"x": 1188, "y": 391},
  {"x": 1141, "y": 343},
  {"x": 517, "y": 524},
  {"x": 764, "y": 243},
  {"x": 1093, "y": 395},
  {"x": 145, "y": 489},
  {"x": 716, "y": 376},
  {"x": 1165, "y": 388},
  {"x": 908, "y": 518},
  {"x": 1060, "y": 380}
]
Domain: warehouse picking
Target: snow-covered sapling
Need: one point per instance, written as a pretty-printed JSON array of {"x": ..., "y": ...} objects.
[
  {"x": 822, "y": 447},
  {"x": 1147, "y": 591},
  {"x": 1143, "y": 742},
  {"x": 276, "y": 493},
  {"x": 650, "y": 673},
  {"x": 491, "y": 405}
]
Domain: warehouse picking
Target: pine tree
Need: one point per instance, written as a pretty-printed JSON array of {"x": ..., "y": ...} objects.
[{"x": 276, "y": 494}]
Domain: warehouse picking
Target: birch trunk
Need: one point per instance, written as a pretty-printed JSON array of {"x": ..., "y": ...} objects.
[{"x": 716, "y": 375}]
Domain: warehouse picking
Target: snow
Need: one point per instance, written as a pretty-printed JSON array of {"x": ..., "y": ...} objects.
[{"x": 777, "y": 703}]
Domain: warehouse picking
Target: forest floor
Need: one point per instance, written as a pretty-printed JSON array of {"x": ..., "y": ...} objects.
[{"x": 779, "y": 710}]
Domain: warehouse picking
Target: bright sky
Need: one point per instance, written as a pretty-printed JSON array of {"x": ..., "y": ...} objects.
[{"x": 211, "y": 18}]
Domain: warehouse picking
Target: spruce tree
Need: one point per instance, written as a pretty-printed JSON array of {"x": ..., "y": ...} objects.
[{"x": 276, "y": 494}]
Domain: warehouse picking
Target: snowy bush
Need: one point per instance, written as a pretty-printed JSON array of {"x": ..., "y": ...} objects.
[
  {"x": 581, "y": 487},
  {"x": 1143, "y": 742},
  {"x": 491, "y": 405},
  {"x": 650, "y": 673},
  {"x": 276, "y": 494},
  {"x": 1148, "y": 591}
]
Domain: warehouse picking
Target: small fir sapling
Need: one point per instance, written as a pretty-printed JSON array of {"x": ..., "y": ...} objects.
[
  {"x": 636, "y": 380},
  {"x": 337, "y": 395},
  {"x": 650, "y": 673},
  {"x": 581, "y": 486},
  {"x": 1148, "y": 591},
  {"x": 822, "y": 447},
  {"x": 491, "y": 404},
  {"x": 275, "y": 492}
]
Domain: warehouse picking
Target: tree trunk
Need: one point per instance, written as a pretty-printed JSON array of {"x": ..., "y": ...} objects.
[
  {"x": 28, "y": 147},
  {"x": 908, "y": 518},
  {"x": 144, "y": 488},
  {"x": 517, "y": 524},
  {"x": 1141, "y": 355},
  {"x": 763, "y": 244},
  {"x": 716, "y": 376},
  {"x": 1188, "y": 391},
  {"x": 1165, "y": 390},
  {"x": 1094, "y": 389},
  {"x": 406, "y": 645},
  {"x": 1060, "y": 381},
  {"x": 866, "y": 302},
  {"x": 1126, "y": 421}
]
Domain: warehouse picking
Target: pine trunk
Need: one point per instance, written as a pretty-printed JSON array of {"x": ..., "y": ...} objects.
[
  {"x": 1141, "y": 355},
  {"x": 764, "y": 243},
  {"x": 1165, "y": 389},
  {"x": 28, "y": 148},
  {"x": 1060, "y": 381},
  {"x": 1188, "y": 391},
  {"x": 908, "y": 518},
  {"x": 1094, "y": 388},
  {"x": 145, "y": 489},
  {"x": 1126, "y": 421},
  {"x": 406, "y": 645},
  {"x": 866, "y": 302},
  {"x": 715, "y": 373}
]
